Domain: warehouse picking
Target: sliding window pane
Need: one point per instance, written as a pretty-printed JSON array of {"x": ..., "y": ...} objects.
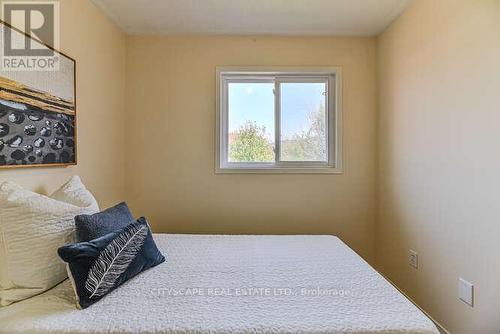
[
  {"x": 251, "y": 122},
  {"x": 303, "y": 122}
]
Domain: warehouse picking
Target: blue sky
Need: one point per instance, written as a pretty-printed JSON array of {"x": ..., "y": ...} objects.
[{"x": 255, "y": 102}]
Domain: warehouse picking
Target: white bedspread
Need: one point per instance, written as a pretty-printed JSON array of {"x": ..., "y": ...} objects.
[{"x": 234, "y": 284}]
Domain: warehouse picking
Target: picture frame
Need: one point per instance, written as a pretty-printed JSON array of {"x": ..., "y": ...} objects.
[{"x": 38, "y": 116}]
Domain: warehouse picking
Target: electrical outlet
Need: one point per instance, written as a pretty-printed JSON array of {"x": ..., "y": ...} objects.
[
  {"x": 413, "y": 259},
  {"x": 466, "y": 291}
]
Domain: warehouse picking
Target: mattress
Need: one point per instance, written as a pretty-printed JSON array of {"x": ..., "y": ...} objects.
[{"x": 234, "y": 284}]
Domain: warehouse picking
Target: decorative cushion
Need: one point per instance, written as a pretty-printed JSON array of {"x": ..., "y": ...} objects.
[
  {"x": 99, "y": 266},
  {"x": 89, "y": 227},
  {"x": 32, "y": 227}
]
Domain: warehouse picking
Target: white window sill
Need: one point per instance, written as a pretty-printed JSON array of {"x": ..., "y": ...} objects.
[{"x": 277, "y": 170}]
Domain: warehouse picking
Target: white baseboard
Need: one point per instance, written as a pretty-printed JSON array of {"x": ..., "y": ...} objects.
[{"x": 441, "y": 329}]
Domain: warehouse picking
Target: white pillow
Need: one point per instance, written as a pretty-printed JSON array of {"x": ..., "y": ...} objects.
[{"x": 32, "y": 228}]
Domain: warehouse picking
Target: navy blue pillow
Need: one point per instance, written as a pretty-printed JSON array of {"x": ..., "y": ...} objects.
[
  {"x": 99, "y": 266},
  {"x": 90, "y": 227}
]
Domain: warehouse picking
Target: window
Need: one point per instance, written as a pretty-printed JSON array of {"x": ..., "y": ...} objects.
[{"x": 278, "y": 120}]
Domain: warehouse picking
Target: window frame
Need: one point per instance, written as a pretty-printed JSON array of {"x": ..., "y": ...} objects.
[{"x": 332, "y": 76}]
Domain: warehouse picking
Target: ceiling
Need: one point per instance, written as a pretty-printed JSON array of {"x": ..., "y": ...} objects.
[{"x": 254, "y": 17}]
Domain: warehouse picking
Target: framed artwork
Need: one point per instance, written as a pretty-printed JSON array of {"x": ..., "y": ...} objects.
[{"x": 37, "y": 111}]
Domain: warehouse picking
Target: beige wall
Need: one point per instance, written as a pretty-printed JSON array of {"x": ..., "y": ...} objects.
[
  {"x": 99, "y": 49},
  {"x": 439, "y": 71},
  {"x": 170, "y": 133}
]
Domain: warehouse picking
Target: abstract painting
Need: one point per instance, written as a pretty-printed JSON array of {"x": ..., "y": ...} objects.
[{"x": 37, "y": 114}]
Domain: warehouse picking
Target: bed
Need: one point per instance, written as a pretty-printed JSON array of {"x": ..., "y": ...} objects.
[{"x": 234, "y": 284}]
